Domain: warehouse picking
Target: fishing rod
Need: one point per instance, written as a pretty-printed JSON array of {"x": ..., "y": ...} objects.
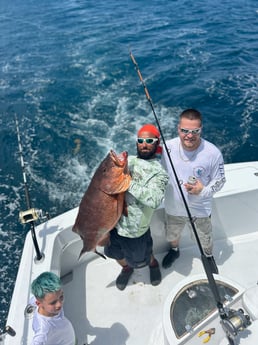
[
  {"x": 232, "y": 321},
  {"x": 192, "y": 219},
  {"x": 31, "y": 214}
]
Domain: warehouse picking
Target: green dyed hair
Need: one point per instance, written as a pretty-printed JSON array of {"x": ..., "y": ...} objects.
[{"x": 45, "y": 283}]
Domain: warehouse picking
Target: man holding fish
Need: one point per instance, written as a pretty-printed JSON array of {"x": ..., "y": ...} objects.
[{"x": 130, "y": 241}]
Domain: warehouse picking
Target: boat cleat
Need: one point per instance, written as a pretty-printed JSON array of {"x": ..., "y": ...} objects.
[{"x": 209, "y": 332}]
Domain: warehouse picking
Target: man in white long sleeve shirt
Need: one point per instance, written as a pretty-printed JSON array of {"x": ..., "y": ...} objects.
[{"x": 197, "y": 158}]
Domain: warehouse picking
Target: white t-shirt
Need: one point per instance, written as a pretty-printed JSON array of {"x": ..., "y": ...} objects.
[
  {"x": 55, "y": 330},
  {"x": 206, "y": 164}
]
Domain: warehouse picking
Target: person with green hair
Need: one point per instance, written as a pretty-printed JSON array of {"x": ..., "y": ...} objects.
[{"x": 49, "y": 324}]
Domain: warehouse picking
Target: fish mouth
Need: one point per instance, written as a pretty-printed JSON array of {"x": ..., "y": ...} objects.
[{"x": 120, "y": 159}]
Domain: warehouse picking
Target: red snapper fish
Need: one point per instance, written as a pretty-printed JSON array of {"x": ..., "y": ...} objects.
[{"x": 103, "y": 202}]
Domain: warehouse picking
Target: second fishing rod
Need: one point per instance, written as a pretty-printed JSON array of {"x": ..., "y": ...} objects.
[{"x": 208, "y": 263}]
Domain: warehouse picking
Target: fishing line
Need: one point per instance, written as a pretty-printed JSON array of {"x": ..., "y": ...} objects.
[{"x": 229, "y": 317}]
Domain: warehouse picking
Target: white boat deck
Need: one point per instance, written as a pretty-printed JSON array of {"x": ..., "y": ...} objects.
[
  {"x": 103, "y": 315},
  {"x": 106, "y": 315}
]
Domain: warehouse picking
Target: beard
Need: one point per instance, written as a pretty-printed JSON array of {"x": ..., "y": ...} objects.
[{"x": 147, "y": 154}]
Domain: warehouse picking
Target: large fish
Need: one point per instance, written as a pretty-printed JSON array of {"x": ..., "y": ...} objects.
[{"x": 103, "y": 202}]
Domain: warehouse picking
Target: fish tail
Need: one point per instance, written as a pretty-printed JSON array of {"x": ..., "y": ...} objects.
[{"x": 100, "y": 254}]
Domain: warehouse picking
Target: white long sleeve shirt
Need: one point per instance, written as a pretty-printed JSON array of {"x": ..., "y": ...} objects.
[
  {"x": 145, "y": 194},
  {"x": 206, "y": 164}
]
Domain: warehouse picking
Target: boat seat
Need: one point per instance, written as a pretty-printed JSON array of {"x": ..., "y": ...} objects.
[
  {"x": 250, "y": 302},
  {"x": 247, "y": 337}
]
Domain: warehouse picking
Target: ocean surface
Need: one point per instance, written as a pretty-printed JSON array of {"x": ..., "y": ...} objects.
[{"x": 66, "y": 73}]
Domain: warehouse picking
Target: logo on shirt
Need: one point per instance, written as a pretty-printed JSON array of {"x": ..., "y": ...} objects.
[{"x": 199, "y": 172}]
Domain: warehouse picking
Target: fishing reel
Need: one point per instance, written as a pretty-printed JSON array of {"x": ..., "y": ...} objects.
[
  {"x": 32, "y": 215},
  {"x": 234, "y": 322}
]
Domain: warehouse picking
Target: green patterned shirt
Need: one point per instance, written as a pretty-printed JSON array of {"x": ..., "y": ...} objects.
[{"x": 144, "y": 195}]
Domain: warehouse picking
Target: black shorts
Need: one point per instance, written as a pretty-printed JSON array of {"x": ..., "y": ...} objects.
[{"x": 136, "y": 251}]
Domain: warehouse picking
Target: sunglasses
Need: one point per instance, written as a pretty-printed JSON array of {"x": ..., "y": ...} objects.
[
  {"x": 192, "y": 131},
  {"x": 146, "y": 140}
]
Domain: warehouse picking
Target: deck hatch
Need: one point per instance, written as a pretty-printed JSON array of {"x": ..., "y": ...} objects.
[{"x": 194, "y": 303}]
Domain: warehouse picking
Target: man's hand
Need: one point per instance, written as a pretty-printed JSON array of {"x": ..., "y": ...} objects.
[{"x": 194, "y": 188}]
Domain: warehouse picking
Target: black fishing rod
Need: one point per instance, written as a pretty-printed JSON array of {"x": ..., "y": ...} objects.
[
  {"x": 232, "y": 320},
  {"x": 31, "y": 214},
  {"x": 191, "y": 219}
]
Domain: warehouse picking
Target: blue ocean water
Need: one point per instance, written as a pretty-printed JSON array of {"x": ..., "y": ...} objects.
[{"x": 66, "y": 73}]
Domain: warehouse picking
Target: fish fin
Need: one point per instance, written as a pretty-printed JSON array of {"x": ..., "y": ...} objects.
[
  {"x": 100, "y": 254},
  {"x": 112, "y": 189},
  {"x": 104, "y": 240},
  {"x": 125, "y": 209},
  {"x": 81, "y": 253}
]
